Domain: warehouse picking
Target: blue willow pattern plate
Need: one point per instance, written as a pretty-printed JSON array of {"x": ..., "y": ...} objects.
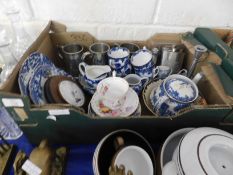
[
  {"x": 28, "y": 68},
  {"x": 36, "y": 84},
  {"x": 8, "y": 128}
]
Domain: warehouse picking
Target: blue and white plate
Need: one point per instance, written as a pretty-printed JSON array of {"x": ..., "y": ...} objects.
[
  {"x": 39, "y": 77},
  {"x": 28, "y": 68},
  {"x": 8, "y": 128}
]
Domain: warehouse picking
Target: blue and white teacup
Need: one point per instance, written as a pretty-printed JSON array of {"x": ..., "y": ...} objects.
[
  {"x": 118, "y": 59},
  {"x": 175, "y": 93},
  {"x": 142, "y": 63},
  {"x": 136, "y": 82},
  {"x": 93, "y": 74},
  {"x": 162, "y": 72}
]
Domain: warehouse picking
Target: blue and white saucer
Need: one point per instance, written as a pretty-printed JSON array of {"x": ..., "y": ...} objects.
[
  {"x": 37, "y": 82},
  {"x": 28, "y": 68}
]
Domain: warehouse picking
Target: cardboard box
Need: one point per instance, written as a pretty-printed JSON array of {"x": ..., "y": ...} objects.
[{"x": 75, "y": 126}]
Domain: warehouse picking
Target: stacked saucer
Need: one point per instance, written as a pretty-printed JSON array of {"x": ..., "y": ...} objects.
[
  {"x": 45, "y": 83},
  {"x": 62, "y": 89},
  {"x": 199, "y": 151}
]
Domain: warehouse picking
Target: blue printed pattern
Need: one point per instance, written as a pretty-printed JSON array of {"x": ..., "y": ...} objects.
[
  {"x": 145, "y": 70},
  {"x": 165, "y": 106},
  {"x": 28, "y": 68},
  {"x": 122, "y": 65},
  {"x": 137, "y": 88},
  {"x": 36, "y": 84},
  {"x": 117, "y": 63},
  {"x": 93, "y": 83},
  {"x": 125, "y": 70},
  {"x": 175, "y": 95}
]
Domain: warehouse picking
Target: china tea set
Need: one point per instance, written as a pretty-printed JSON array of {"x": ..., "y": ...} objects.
[{"x": 113, "y": 76}]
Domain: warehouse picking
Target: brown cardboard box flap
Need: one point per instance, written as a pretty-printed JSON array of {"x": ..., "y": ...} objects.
[{"x": 213, "y": 78}]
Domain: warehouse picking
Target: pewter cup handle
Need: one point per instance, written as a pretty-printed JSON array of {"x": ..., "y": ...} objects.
[
  {"x": 60, "y": 50},
  {"x": 183, "y": 72},
  {"x": 84, "y": 55}
]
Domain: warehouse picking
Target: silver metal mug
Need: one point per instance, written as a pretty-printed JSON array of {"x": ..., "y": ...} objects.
[
  {"x": 133, "y": 48},
  {"x": 71, "y": 54},
  {"x": 173, "y": 58},
  {"x": 98, "y": 54}
]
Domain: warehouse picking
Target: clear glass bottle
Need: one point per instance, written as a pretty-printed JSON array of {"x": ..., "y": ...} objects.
[
  {"x": 21, "y": 40},
  {"x": 7, "y": 59}
]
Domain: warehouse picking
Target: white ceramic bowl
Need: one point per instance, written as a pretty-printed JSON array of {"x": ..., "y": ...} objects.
[
  {"x": 190, "y": 159},
  {"x": 136, "y": 159},
  {"x": 170, "y": 145}
]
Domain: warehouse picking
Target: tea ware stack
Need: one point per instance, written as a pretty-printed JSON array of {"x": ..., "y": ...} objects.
[
  {"x": 197, "y": 151},
  {"x": 135, "y": 69},
  {"x": 114, "y": 98}
]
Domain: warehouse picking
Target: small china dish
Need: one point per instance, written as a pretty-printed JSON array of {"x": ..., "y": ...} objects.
[{"x": 71, "y": 93}]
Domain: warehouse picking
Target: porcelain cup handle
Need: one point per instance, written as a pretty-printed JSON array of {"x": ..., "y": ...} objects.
[
  {"x": 82, "y": 68},
  {"x": 84, "y": 55},
  {"x": 110, "y": 63},
  {"x": 155, "y": 72},
  {"x": 183, "y": 72},
  {"x": 170, "y": 72},
  {"x": 144, "y": 81},
  {"x": 114, "y": 73}
]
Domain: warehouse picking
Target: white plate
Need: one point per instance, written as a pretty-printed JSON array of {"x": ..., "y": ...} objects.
[
  {"x": 129, "y": 107},
  {"x": 71, "y": 93},
  {"x": 216, "y": 155},
  {"x": 188, "y": 149}
]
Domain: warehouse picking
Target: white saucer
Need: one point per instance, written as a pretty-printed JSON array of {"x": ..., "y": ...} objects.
[
  {"x": 215, "y": 154},
  {"x": 129, "y": 107},
  {"x": 136, "y": 114},
  {"x": 71, "y": 93},
  {"x": 188, "y": 158}
]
